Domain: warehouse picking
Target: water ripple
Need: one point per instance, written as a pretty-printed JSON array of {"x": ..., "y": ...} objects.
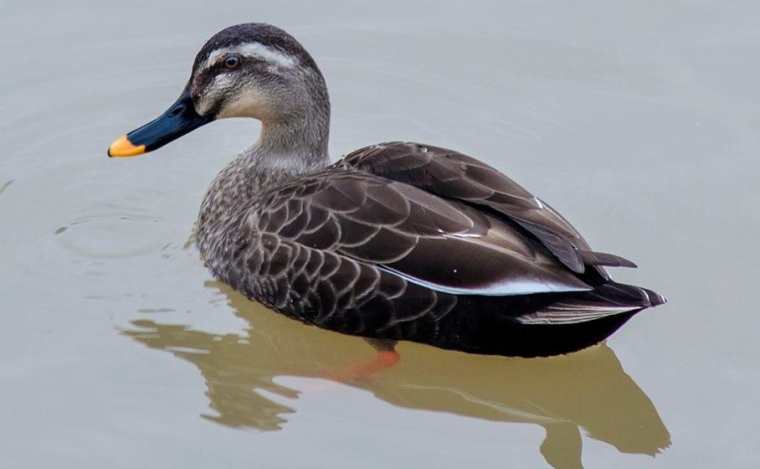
[{"x": 111, "y": 235}]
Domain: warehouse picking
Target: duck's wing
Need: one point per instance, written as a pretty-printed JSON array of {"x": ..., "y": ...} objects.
[
  {"x": 442, "y": 244},
  {"x": 453, "y": 175}
]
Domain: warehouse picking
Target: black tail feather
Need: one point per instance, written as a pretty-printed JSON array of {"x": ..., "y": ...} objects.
[
  {"x": 631, "y": 295},
  {"x": 602, "y": 258},
  {"x": 606, "y": 300},
  {"x": 544, "y": 324}
]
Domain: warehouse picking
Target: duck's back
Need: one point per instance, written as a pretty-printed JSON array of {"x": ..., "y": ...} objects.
[{"x": 410, "y": 242}]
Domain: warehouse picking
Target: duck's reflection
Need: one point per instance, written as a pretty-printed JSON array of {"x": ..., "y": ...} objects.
[{"x": 588, "y": 390}]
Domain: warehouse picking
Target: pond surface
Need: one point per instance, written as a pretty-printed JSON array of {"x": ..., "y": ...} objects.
[{"x": 638, "y": 120}]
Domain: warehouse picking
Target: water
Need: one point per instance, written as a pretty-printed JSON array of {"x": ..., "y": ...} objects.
[{"x": 638, "y": 120}]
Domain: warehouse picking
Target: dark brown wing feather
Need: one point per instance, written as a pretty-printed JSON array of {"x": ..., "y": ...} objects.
[
  {"x": 393, "y": 245},
  {"x": 445, "y": 245},
  {"x": 453, "y": 175}
]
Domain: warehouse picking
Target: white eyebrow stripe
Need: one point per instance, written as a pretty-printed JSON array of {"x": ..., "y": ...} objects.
[{"x": 252, "y": 49}]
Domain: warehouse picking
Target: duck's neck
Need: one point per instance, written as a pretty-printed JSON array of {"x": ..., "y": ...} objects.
[
  {"x": 296, "y": 141},
  {"x": 300, "y": 139},
  {"x": 286, "y": 149}
]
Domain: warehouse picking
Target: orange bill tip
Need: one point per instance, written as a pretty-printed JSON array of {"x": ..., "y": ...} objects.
[{"x": 122, "y": 148}]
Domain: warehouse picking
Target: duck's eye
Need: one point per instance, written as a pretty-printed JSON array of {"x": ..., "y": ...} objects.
[{"x": 232, "y": 61}]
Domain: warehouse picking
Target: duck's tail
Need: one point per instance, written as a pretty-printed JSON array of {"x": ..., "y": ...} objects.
[
  {"x": 606, "y": 300},
  {"x": 544, "y": 324},
  {"x": 573, "y": 321}
]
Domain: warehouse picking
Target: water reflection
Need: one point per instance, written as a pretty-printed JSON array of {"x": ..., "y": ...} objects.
[{"x": 587, "y": 390}]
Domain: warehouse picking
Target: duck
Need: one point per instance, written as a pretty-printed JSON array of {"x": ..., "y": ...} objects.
[{"x": 396, "y": 241}]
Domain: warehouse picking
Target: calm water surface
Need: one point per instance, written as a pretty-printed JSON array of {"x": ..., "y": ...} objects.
[{"x": 638, "y": 120}]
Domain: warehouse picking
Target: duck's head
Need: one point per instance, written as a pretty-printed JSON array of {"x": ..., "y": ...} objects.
[{"x": 248, "y": 70}]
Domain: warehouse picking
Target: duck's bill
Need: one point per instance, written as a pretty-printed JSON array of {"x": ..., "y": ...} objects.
[{"x": 178, "y": 120}]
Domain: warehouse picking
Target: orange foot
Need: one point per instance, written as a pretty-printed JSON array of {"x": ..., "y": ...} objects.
[{"x": 384, "y": 359}]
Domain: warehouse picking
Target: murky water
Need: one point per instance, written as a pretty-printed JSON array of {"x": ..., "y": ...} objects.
[{"x": 638, "y": 120}]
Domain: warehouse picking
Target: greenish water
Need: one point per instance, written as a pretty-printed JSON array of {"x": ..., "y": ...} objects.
[{"x": 638, "y": 121}]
